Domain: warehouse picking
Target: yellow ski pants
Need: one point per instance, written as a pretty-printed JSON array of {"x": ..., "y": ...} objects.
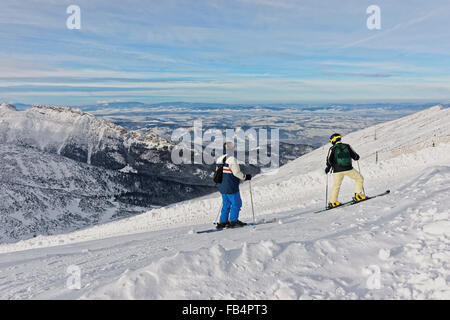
[{"x": 339, "y": 176}]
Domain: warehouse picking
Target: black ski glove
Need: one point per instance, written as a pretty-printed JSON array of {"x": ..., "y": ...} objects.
[
  {"x": 327, "y": 169},
  {"x": 248, "y": 177}
]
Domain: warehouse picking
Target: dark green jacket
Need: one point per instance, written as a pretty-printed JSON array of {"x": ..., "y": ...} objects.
[{"x": 340, "y": 157}]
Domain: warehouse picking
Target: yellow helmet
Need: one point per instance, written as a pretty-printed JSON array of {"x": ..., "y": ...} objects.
[{"x": 335, "y": 138}]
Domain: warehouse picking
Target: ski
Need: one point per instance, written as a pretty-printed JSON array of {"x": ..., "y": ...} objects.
[
  {"x": 352, "y": 202},
  {"x": 262, "y": 221}
]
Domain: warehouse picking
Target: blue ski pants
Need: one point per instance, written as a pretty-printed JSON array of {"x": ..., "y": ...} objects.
[{"x": 231, "y": 205}]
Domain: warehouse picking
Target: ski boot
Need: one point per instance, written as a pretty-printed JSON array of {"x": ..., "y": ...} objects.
[
  {"x": 221, "y": 225},
  {"x": 359, "y": 197},
  {"x": 332, "y": 205},
  {"x": 236, "y": 224}
]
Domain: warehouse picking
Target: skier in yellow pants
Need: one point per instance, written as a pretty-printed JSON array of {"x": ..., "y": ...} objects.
[{"x": 339, "y": 159}]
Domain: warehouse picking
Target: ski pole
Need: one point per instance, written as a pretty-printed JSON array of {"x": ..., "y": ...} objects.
[
  {"x": 326, "y": 192},
  {"x": 359, "y": 169},
  {"x": 251, "y": 198},
  {"x": 217, "y": 217}
]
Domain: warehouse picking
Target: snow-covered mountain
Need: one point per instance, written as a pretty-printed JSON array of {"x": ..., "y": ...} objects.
[
  {"x": 85, "y": 138},
  {"x": 392, "y": 247},
  {"x": 63, "y": 169},
  {"x": 70, "y": 132}
]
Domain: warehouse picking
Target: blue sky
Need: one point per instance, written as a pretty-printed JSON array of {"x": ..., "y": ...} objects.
[{"x": 229, "y": 51}]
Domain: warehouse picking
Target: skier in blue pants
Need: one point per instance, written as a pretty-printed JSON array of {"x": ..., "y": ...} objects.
[{"x": 229, "y": 188}]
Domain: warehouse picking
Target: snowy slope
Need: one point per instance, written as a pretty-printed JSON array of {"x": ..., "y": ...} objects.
[
  {"x": 42, "y": 193},
  {"x": 392, "y": 247}
]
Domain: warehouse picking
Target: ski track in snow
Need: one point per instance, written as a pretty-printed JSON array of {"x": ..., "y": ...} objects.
[{"x": 393, "y": 247}]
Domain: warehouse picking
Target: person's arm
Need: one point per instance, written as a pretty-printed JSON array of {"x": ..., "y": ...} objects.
[
  {"x": 330, "y": 157},
  {"x": 235, "y": 169},
  {"x": 353, "y": 154}
]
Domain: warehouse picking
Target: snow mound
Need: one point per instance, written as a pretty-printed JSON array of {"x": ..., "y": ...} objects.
[
  {"x": 128, "y": 169},
  {"x": 7, "y": 106},
  {"x": 214, "y": 272},
  {"x": 438, "y": 228}
]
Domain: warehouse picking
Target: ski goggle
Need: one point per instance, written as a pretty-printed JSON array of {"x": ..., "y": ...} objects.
[{"x": 335, "y": 138}]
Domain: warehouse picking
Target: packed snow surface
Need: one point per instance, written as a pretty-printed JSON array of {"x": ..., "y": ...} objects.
[{"x": 392, "y": 247}]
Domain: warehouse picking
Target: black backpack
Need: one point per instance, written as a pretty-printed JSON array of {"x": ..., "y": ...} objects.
[{"x": 218, "y": 175}]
